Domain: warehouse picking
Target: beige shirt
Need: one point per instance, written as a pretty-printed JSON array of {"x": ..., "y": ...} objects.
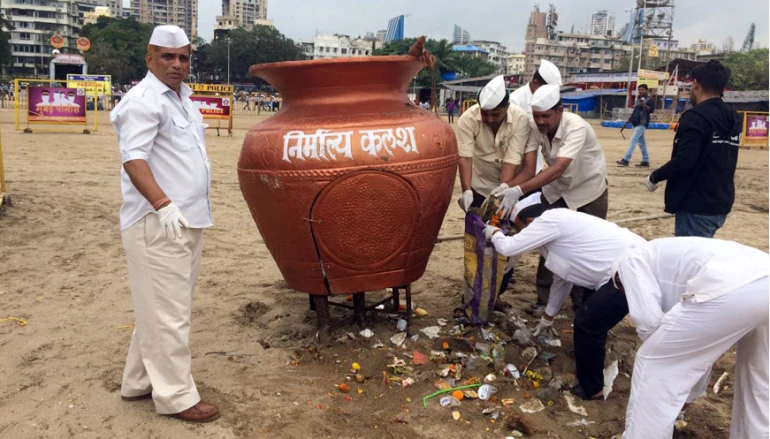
[
  {"x": 489, "y": 151},
  {"x": 585, "y": 179}
]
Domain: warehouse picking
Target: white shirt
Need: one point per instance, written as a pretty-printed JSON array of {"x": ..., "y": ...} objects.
[
  {"x": 663, "y": 272},
  {"x": 585, "y": 179},
  {"x": 522, "y": 97},
  {"x": 578, "y": 248},
  {"x": 155, "y": 124}
]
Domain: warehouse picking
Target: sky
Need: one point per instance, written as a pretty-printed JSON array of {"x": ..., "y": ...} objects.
[{"x": 497, "y": 20}]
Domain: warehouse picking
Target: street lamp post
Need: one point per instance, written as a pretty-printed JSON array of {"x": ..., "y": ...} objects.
[{"x": 228, "y": 60}]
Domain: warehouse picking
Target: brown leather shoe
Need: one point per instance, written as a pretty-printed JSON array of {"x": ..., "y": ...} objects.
[{"x": 200, "y": 413}]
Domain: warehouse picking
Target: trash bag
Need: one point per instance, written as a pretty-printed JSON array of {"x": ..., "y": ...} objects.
[{"x": 484, "y": 270}]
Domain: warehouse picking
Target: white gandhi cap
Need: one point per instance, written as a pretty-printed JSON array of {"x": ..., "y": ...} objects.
[
  {"x": 169, "y": 36},
  {"x": 545, "y": 97},
  {"x": 493, "y": 93},
  {"x": 549, "y": 72},
  {"x": 523, "y": 204}
]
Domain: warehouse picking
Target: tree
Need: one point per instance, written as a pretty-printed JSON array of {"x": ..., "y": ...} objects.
[
  {"x": 446, "y": 58},
  {"x": 5, "y": 41},
  {"x": 474, "y": 67},
  {"x": 118, "y": 46},
  {"x": 261, "y": 44},
  {"x": 749, "y": 70}
]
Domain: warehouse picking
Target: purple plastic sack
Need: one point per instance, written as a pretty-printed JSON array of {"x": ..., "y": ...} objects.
[{"x": 484, "y": 270}]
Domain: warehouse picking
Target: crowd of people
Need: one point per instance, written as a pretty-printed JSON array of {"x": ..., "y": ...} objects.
[{"x": 691, "y": 296}]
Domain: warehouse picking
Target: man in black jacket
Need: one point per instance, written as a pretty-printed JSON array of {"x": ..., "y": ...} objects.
[
  {"x": 640, "y": 120},
  {"x": 700, "y": 174}
]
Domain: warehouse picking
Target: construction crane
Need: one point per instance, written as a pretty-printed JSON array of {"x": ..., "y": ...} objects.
[{"x": 748, "y": 43}]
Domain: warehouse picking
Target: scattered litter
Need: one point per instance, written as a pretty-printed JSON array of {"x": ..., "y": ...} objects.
[
  {"x": 23, "y": 322},
  {"x": 610, "y": 373},
  {"x": 573, "y": 407},
  {"x": 453, "y": 344},
  {"x": 360, "y": 378},
  {"x": 401, "y": 325},
  {"x": 380, "y": 307},
  {"x": 449, "y": 401},
  {"x": 679, "y": 425},
  {"x": 458, "y": 394},
  {"x": 399, "y": 366},
  {"x": 555, "y": 343},
  {"x": 532, "y": 406},
  {"x": 718, "y": 385},
  {"x": 523, "y": 337},
  {"x": 419, "y": 358},
  {"x": 356, "y": 367},
  {"x": 442, "y": 322},
  {"x": 344, "y": 388},
  {"x": 456, "y": 415},
  {"x": 378, "y": 344},
  {"x": 414, "y": 338},
  {"x": 398, "y": 339},
  {"x": 546, "y": 356},
  {"x": 351, "y": 335},
  {"x": 406, "y": 382},
  {"x": 487, "y": 335},
  {"x": 508, "y": 401},
  {"x": 515, "y": 433},
  {"x": 519, "y": 423},
  {"x": 490, "y": 378},
  {"x": 486, "y": 391},
  {"x": 366, "y": 333},
  {"x": 580, "y": 423},
  {"x": 529, "y": 353},
  {"x": 431, "y": 331},
  {"x": 425, "y": 399},
  {"x": 419, "y": 312},
  {"x": 470, "y": 394},
  {"x": 511, "y": 371},
  {"x": 484, "y": 348}
]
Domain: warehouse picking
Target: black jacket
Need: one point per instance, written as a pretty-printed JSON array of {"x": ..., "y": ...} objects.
[
  {"x": 701, "y": 171},
  {"x": 640, "y": 116}
]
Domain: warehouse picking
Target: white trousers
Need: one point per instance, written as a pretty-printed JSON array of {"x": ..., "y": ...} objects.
[
  {"x": 670, "y": 366},
  {"x": 162, "y": 275}
]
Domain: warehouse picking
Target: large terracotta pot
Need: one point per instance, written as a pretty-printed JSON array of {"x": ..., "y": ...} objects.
[{"x": 349, "y": 182}]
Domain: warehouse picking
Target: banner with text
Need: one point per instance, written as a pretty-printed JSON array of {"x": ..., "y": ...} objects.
[
  {"x": 99, "y": 85},
  {"x": 213, "y": 107},
  {"x": 55, "y": 104},
  {"x": 756, "y": 129}
]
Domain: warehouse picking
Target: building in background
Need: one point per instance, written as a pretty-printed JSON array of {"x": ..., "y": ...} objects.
[
  {"x": 183, "y": 13},
  {"x": 472, "y": 51},
  {"x": 381, "y": 35},
  {"x": 515, "y": 64},
  {"x": 326, "y": 46},
  {"x": 602, "y": 23},
  {"x": 497, "y": 54},
  {"x": 34, "y": 22},
  {"x": 703, "y": 47},
  {"x": 93, "y": 16},
  {"x": 395, "y": 30},
  {"x": 460, "y": 36},
  {"x": 536, "y": 29}
]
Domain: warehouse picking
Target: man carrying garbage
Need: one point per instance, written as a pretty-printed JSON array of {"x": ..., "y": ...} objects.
[
  {"x": 494, "y": 151},
  {"x": 578, "y": 249},
  {"x": 165, "y": 182},
  {"x": 692, "y": 299},
  {"x": 576, "y": 177}
]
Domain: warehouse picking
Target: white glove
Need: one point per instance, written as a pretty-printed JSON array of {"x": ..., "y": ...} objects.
[
  {"x": 489, "y": 231},
  {"x": 544, "y": 325},
  {"x": 650, "y": 185},
  {"x": 510, "y": 198},
  {"x": 466, "y": 200},
  {"x": 172, "y": 221},
  {"x": 498, "y": 190}
]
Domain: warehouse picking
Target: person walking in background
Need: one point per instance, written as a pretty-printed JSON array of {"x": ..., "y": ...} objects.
[
  {"x": 451, "y": 106},
  {"x": 701, "y": 173},
  {"x": 640, "y": 120},
  {"x": 246, "y": 101}
]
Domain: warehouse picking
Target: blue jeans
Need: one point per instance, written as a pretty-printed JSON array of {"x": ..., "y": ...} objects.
[
  {"x": 704, "y": 226},
  {"x": 638, "y": 137}
]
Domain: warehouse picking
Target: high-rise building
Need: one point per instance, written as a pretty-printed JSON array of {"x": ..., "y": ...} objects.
[
  {"x": 603, "y": 23},
  {"x": 34, "y": 22},
  {"x": 235, "y": 14},
  {"x": 536, "y": 29},
  {"x": 183, "y": 13},
  {"x": 460, "y": 36},
  {"x": 381, "y": 35},
  {"x": 395, "y": 29}
]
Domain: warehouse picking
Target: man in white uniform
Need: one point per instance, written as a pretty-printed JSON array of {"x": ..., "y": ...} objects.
[
  {"x": 576, "y": 177},
  {"x": 691, "y": 300},
  {"x": 579, "y": 249},
  {"x": 547, "y": 73},
  {"x": 492, "y": 139},
  {"x": 165, "y": 183}
]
